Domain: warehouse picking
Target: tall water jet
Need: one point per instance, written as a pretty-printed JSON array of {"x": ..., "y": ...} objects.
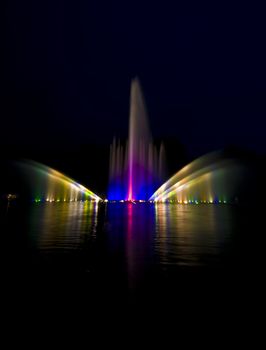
[
  {"x": 136, "y": 169},
  {"x": 117, "y": 171},
  {"x": 140, "y": 150}
]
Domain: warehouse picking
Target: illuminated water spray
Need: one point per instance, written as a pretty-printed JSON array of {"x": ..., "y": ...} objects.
[
  {"x": 137, "y": 168},
  {"x": 47, "y": 184},
  {"x": 213, "y": 178}
]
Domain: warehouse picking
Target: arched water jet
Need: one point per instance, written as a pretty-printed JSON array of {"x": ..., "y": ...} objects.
[
  {"x": 213, "y": 178},
  {"x": 47, "y": 184}
]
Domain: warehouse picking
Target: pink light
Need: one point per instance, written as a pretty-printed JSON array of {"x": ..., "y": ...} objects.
[{"x": 129, "y": 197}]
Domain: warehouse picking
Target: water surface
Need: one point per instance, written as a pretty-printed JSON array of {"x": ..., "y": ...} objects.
[{"x": 129, "y": 249}]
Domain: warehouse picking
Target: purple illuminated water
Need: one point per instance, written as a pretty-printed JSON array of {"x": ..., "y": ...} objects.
[{"x": 136, "y": 169}]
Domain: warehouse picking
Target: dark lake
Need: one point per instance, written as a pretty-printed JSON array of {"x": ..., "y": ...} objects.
[{"x": 130, "y": 252}]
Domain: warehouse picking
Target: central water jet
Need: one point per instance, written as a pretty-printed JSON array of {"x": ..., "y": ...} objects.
[{"x": 136, "y": 170}]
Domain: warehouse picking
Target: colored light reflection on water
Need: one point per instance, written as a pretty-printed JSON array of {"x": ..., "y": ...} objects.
[
  {"x": 125, "y": 249},
  {"x": 62, "y": 226},
  {"x": 128, "y": 240},
  {"x": 191, "y": 235}
]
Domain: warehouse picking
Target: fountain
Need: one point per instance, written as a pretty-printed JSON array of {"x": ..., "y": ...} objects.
[
  {"x": 213, "y": 178},
  {"x": 47, "y": 184},
  {"x": 136, "y": 169}
]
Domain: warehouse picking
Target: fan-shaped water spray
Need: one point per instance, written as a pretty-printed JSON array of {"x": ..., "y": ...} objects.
[
  {"x": 47, "y": 184},
  {"x": 213, "y": 178}
]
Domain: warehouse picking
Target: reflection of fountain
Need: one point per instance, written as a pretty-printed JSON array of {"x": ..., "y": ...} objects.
[
  {"x": 213, "y": 178},
  {"x": 135, "y": 171},
  {"x": 47, "y": 184},
  {"x": 61, "y": 230},
  {"x": 191, "y": 236}
]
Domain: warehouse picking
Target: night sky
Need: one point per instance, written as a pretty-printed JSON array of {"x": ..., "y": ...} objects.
[{"x": 68, "y": 66}]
